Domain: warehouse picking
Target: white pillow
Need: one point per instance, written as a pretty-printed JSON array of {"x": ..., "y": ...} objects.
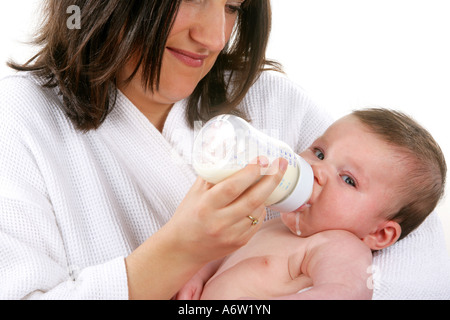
[{"x": 417, "y": 267}]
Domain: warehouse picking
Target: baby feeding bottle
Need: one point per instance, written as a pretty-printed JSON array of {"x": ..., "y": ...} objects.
[{"x": 227, "y": 143}]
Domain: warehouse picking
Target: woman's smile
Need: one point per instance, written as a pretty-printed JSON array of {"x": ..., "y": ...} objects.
[{"x": 190, "y": 59}]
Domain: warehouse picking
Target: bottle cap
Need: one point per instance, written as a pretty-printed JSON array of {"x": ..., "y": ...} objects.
[{"x": 302, "y": 191}]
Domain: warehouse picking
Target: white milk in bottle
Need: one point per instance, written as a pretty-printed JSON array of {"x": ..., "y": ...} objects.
[{"x": 227, "y": 143}]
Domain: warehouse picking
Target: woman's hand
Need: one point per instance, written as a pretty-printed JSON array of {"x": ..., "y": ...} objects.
[{"x": 210, "y": 223}]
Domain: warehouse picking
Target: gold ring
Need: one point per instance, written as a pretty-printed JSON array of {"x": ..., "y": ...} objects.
[{"x": 254, "y": 220}]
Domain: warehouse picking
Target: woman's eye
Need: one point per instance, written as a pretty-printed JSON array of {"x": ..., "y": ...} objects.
[
  {"x": 319, "y": 154},
  {"x": 232, "y": 8},
  {"x": 348, "y": 180}
]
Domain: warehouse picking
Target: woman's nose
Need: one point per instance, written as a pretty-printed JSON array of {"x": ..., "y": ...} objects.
[{"x": 210, "y": 28}]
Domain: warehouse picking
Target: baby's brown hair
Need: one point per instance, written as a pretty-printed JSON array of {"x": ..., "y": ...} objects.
[{"x": 425, "y": 183}]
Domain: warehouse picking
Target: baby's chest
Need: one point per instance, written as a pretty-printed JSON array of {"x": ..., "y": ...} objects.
[
  {"x": 262, "y": 276},
  {"x": 271, "y": 254}
]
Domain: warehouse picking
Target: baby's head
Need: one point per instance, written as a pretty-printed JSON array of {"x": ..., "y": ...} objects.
[{"x": 378, "y": 174}]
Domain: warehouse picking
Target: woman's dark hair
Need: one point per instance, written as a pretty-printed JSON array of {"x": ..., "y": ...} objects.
[{"x": 84, "y": 63}]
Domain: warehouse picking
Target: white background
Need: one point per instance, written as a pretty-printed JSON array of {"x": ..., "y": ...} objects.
[
  {"x": 346, "y": 54},
  {"x": 349, "y": 54}
]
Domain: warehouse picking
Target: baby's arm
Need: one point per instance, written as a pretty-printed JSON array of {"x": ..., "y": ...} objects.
[
  {"x": 192, "y": 290},
  {"x": 338, "y": 264}
]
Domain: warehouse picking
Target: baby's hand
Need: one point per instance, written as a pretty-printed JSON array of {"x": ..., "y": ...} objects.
[{"x": 192, "y": 290}]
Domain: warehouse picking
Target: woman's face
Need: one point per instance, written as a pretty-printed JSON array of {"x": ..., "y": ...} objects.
[{"x": 201, "y": 30}]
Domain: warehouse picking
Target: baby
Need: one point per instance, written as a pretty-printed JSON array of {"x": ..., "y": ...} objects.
[{"x": 378, "y": 174}]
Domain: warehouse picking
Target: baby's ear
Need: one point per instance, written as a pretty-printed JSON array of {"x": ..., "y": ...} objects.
[{"x": 386, "y": 235}]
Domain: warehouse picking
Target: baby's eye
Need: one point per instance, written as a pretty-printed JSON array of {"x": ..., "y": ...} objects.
[
  {"x": 348, "y": 180},
  {"x": 319, "y": 154}
]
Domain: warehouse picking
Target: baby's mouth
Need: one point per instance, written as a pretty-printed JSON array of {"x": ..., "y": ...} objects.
[{"x": 303, "y": 207}]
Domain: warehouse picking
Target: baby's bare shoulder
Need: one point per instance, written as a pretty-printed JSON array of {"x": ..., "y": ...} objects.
[
  {"x": 338, "y": 260},
  {"x": 339, "y": 240},
  {"x": 334, "y": 235}
]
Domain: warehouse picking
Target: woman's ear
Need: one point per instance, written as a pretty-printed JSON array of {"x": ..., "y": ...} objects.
[{"x": 386, "y": 235}]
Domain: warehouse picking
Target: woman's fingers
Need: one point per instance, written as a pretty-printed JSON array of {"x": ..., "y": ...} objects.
[
  {"x": 247, "y": 212},
  {"x": 246, "y": 227},
  {"x": 214, "y": 220},
  {"x": 256, "y": 195},
  {"x": 227, "y": 191}
]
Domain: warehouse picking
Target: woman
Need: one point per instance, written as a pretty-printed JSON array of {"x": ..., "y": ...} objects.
[{"x": 98, "y": 196}]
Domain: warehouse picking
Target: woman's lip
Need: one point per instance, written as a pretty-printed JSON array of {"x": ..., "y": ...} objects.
[{"x": 188, "y": 58}]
